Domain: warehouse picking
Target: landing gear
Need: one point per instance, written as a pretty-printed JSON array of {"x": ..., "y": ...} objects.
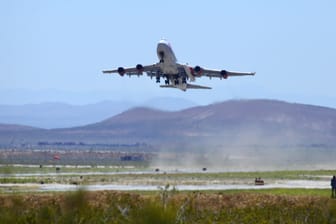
[
  {"x": 184, "y": 80},
  {"x": 158, "y": 79},
  {"x": 167, "y": 81},
  {"x": 176, "y": 81}
]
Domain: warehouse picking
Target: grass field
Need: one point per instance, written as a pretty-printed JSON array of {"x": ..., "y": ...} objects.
[
  {"x": 10, "y": 169},
  {"x": 252, "y": 206},
  {"x": 163, "y": 205}
]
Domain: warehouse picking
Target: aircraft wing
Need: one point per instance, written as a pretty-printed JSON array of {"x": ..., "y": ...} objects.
[
  {"x": 223, "y": 73},
  {"x": 137, "y": 70}
]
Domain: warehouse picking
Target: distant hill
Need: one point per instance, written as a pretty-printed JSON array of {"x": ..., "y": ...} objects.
[
  {"x": 15, "y": 127},
  {"x": 235, "y": 123},
  {"x": 61, "y": 115},
  {"x": 249, "y": 121}
]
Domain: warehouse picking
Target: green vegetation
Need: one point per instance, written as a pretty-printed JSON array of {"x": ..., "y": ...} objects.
[
  {"x": 284, "y": 174},
  {"x": 164, "y": 205},
  {"x": 168, "y": 207},
  {"x": 281, "y": 192},
  {"x": 8, "y": 169}
]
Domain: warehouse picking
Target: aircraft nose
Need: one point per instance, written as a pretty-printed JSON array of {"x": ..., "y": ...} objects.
[{"x": 162, "y": 45}]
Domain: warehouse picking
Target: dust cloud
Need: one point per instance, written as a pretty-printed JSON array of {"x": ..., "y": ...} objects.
[{"x": 248, "y": 150}]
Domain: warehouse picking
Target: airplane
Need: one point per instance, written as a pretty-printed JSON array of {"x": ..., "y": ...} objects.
[{"x": 175, "y": 74}]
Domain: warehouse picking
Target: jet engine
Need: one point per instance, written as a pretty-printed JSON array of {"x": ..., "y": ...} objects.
[
  {"x": 224, "y": 74},
  {"x": 197, "y": 70},
  {"x": 139, "y": 68},
  {"x": 121, "y": 71}
]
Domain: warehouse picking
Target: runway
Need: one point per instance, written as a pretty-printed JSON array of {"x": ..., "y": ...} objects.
[{"x": 287, "y": 184}]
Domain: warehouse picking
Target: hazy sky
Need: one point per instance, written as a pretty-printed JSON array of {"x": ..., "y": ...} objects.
[{"x": 56, "y": 50}]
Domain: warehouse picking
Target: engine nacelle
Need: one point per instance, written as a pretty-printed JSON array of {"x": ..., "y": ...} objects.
[
  {"x": 224, "y": 74},
  {"x": 197, "y": 70},
  {"x": 139, "y": 68},
  {"x": 121, "y": 71}
]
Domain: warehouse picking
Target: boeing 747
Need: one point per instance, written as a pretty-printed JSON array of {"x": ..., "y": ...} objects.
[{"x": 175, "y": 75}]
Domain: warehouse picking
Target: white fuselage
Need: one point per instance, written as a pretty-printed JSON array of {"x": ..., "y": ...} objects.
[{"x": 167, "y": 58}]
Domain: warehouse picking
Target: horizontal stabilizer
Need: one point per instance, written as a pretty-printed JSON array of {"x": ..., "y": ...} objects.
[
  {"x": 167, "y": 86},
  {"x": 191, "y": 86},
  {"x": 186, "y": 86}
]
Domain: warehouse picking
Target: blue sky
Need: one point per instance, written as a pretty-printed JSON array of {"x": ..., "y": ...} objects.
[{"x": 56, "y": 50}]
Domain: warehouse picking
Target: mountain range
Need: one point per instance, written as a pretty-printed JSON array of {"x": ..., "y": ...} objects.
[
  {"x": 61, "y": 115},
  {"x": 230, "y": 124}
]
